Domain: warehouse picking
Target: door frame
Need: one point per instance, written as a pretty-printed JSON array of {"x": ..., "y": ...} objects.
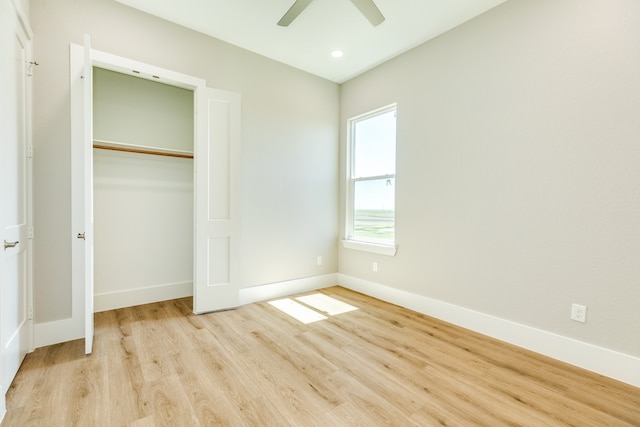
[{"x": 81, "y": 293}]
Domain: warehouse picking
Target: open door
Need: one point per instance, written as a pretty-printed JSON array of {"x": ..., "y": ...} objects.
[
  {"x": 217, "y": 181},
  {"x": 16, "y": 309},
  {"x": 88, "y": 195},
  {"x": 82, "y": 189},
  {"x": 82, "y": 186}
]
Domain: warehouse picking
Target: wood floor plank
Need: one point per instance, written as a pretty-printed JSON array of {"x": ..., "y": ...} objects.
[
  {"x": 225, "y": 370},
  {"x": 368, "y": 403},
  {"x": 90, "y": 381},
  {"x": 229, "y": 330},
  {"x": 159, "y": 364},
  {"x": 349, "y": 415},
  {"x": 209, "y": 403},
  {"x": 126, "y": 390},
  {"x": 310, "y": 379},
  {"x": 169, "y": 403},
  {"x": 149, "y": 421},
  {"x": 261, "y": 412},
  {"x": 292, "y": 395}
]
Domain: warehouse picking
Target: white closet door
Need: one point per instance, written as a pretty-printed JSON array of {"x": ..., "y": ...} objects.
[
  {"x": 81, "y": 76},
  {"x": 88, "y": 195},
  {"x": 217, "y": 171}
]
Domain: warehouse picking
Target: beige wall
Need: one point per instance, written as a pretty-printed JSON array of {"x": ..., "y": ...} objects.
[
  {"x": 289, "y": 142},
  {"x": 518, "y": 178}
]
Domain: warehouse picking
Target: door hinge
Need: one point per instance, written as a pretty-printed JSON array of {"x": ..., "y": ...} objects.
[
  {"x": 29, "y": 313},
  {"x": 81, "y": 236},
  {"x": 29, "y": 151},
  {"x": 30, "y": 233}
]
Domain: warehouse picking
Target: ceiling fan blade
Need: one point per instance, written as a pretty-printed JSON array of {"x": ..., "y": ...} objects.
[
  {"x": 293, "y": 12},
  {"x": 370, "y": 11}
]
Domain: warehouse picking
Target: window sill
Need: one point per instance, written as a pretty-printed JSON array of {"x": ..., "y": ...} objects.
[{"x": 370, "y": 247}]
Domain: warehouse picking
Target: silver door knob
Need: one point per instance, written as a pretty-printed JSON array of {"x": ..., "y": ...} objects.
[{"x": 8, "y": 245}]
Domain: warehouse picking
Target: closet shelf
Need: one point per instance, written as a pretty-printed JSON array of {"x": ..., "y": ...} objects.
[{"x": 142, "y": 149}]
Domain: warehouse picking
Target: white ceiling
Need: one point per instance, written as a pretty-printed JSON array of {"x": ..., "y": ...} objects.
[{"x": 326, "y": 25}]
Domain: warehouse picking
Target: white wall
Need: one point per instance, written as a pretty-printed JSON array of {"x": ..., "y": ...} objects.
[
  {"x": 133, "y": 110},
  {"x": 289, "y": 143},
  {"x": 518, "y": 186},
  {"x": 143, "y": 213},
  {"x": 25, "y": 4}
]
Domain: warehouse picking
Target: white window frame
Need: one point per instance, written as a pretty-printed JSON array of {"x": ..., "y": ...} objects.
[{"x": 351, "y": 242}]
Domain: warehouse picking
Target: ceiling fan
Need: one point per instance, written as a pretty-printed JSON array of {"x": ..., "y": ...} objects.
[{"x": 367, "y": 7}]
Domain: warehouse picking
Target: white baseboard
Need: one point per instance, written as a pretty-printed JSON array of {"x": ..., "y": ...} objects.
[
  {"x": 613, "y": 364},
  {"x": 58, "y": 331},
  {"x": 130, "y": 297},
  {"x": 289, "y": 287}
]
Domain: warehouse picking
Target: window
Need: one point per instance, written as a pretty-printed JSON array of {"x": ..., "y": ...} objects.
[{"x": 371, "y": 181}]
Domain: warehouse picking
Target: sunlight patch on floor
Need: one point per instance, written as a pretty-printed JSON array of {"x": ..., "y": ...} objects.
[
  {"x": 318, "y": 302},
  {"x": 326, "y": 304},
  {"x": 297, "y": 311}
]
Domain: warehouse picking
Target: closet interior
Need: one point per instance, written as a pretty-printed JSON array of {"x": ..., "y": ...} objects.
[{"x": 143, "y": 190}]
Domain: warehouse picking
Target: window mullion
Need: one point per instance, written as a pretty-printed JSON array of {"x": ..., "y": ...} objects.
[{"x": 373, "y": 178}]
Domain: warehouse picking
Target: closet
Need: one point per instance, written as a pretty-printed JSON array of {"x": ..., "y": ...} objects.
[
  {"x": 159, "y": 217},
  {"x": 143, "y": 190}
]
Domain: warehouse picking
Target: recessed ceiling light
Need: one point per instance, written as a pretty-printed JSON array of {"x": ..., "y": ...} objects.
[{"x": 337, "y": 53}]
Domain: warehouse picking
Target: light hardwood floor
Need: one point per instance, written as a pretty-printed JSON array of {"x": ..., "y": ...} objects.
[{"x": 160, "y": 365}]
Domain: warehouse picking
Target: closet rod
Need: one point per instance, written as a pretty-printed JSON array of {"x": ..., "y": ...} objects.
[{"x": 115, "y": 146}]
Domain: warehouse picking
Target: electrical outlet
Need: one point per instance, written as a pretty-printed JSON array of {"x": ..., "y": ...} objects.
[
  {"x": 319, "y": 260},
  {"x": 578, "y": 312},
  {"x": 375, "y": 267}
]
